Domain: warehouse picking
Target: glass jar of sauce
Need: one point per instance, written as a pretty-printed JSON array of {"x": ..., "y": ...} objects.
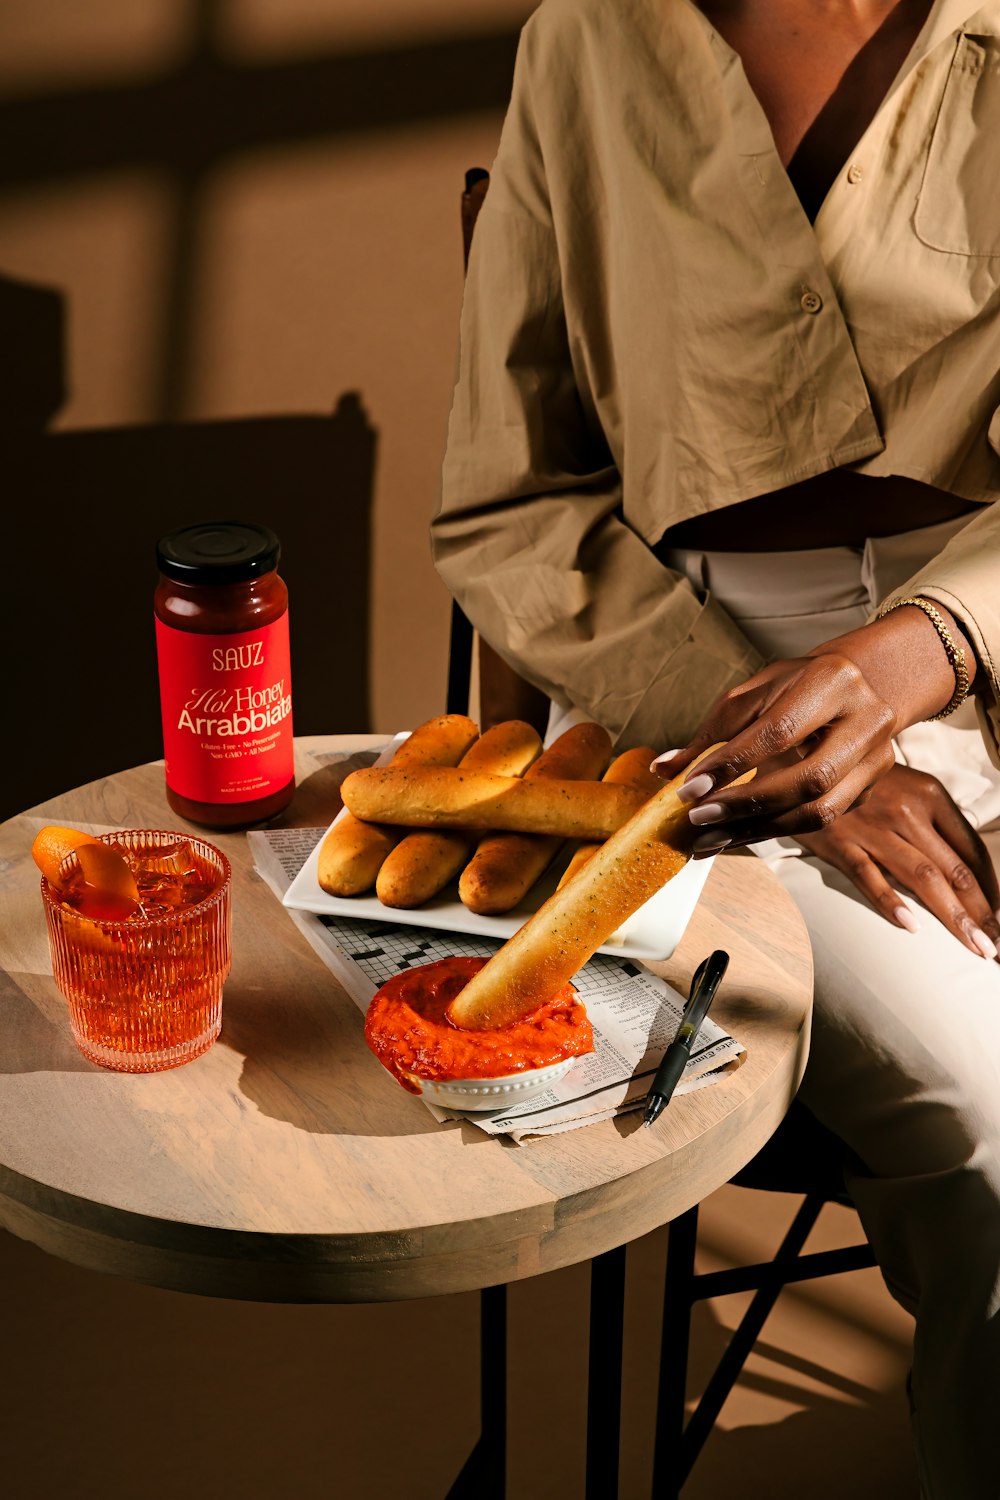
[{"x": 221, "y": 615}]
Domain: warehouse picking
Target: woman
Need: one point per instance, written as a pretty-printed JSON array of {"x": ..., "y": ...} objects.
[{"x": 729, "y": 388}]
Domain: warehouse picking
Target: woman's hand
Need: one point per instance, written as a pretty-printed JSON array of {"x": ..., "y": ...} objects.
[
  {"x": 817, "y": 731},
  {"x": 910, "y": 831},
  {"x": 817, "y": 728}
]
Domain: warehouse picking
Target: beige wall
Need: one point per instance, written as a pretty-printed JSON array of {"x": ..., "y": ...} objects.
[{"x": 328, "y": 264}]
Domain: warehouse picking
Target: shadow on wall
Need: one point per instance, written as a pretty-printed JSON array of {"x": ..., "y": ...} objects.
[
  {"x": 86, "y": 509},
  {"x": 192, "y": 118}
]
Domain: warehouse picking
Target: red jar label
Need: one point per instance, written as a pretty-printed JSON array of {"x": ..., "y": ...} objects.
[{"x": 226, "y": 702}]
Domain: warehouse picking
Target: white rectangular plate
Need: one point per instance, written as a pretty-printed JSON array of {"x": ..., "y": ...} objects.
[{"x": 650, "y": 934}]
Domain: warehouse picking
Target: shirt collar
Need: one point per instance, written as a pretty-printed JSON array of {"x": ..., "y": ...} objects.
[
  {"x": 944, "y": 19},
  {"x": 947, "y": 18}
]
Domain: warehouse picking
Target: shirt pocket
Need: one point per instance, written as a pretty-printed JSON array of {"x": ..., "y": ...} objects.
[{"x": 958, "y": 207}]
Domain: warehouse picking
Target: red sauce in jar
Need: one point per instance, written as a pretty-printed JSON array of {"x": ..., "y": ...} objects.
[
  {"x": 225, "y": 680},
  {"x": 409, "y": 1030}
]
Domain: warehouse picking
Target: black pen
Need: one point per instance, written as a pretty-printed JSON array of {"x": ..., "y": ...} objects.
[{"x": 707, "y": 978}]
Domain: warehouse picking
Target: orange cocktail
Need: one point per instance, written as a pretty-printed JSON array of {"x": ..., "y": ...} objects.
[{"x": 143, "y": 976}]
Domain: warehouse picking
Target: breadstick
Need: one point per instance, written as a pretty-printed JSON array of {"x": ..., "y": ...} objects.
[
  {"x": 438, "y": 742},
  {"x": 556, "y": 942},
  {"x": 352, "y": 853},
  {"x": 435, "y": 797},
  {"x": 631, "y": 768},
  {"x": 506, "y": 865},
  {"x": 424, "y": 862}
]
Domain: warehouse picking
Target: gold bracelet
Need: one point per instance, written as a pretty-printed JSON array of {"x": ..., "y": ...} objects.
[{"x": 954, "y": 653}]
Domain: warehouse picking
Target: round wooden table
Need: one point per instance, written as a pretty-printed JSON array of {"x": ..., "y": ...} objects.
[{"x": 285, "y": 1164}]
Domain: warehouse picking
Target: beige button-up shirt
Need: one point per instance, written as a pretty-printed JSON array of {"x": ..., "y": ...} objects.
[{"x": 652, "y": 329}]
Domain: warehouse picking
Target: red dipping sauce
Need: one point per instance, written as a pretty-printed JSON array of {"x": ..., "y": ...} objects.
[{"x": 408, "y": 1029}]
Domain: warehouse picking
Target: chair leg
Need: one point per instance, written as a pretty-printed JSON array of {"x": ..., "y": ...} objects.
[
  {"x": 727, "y": 1371},
  {"x": 677, "y": 1446},
  {"x": 483, "y": 1476},
  {"x": 604, "y": 1375},
  {"x": 668, "y": 1471}
]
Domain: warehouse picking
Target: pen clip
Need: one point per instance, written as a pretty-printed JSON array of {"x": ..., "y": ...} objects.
[
  {"x": 707, "y": 976},
  {"x": 696, "y": 980}
]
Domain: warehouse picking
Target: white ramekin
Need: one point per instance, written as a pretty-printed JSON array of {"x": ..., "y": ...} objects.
[{"x": 466, "y": 1094}]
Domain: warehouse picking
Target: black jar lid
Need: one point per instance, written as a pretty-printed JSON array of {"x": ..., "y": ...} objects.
[{"x": 218, "y": 552}]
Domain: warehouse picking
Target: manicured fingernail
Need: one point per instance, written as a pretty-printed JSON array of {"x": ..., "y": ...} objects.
[
  {"x": 662, "y": 760},
  {"x": 905, "y": 918},
  {"x": 987, "y": 948},
  {"x": 708, "y": 812},
  {"x": 690, "y": 791},
  {"x": 710, "y": 843}
]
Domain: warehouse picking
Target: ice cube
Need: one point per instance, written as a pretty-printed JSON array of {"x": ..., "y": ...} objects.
[
  {"x": 169, "y": 876},
  {"x": 175, "y": 861}
]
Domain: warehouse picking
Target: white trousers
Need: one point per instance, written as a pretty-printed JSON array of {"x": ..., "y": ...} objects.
[{"x": 905, "y": 1057}]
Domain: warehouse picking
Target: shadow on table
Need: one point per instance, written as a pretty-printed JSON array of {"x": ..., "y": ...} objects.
[
  {"x": 291, "y": 1065},
  {"x": 34, "y": 1028},
  {"x": 301, "y": 1062}
]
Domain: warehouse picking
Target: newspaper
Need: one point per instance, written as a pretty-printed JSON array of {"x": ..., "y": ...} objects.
[{"x": 634, "y": 1013}]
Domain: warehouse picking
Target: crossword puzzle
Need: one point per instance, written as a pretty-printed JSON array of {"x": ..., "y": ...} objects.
[{"x": 381, "y": 950}]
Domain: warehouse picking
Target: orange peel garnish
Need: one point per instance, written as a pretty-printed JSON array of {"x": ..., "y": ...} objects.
[
  {"x": 107, "y": 890},
  {"x": 53, "y": 844}
]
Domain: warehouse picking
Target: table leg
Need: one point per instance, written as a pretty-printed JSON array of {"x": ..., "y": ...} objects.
[
  {"x": 604, "y": 1377},
  {"x": 483, "y": 1476},
  {"x": 669, "y": 1467}
]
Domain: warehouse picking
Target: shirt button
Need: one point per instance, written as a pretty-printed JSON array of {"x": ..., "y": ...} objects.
[
  {"x": 811, "y": 302},
  {"x": 855, "y": 172}
]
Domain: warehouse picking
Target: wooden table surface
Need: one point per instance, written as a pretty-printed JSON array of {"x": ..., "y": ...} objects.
[{"x": 285, "y": 1164}]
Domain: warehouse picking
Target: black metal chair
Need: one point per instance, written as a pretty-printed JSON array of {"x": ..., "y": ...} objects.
[{"x": 802, "y": 1159}]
